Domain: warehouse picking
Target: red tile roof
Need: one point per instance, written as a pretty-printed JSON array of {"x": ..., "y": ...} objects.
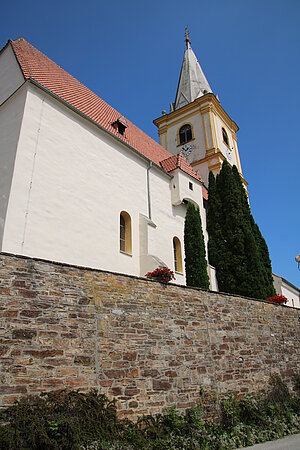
[
  {"x": 35, "y": 65},
  {"x": 179, "y": 162}
]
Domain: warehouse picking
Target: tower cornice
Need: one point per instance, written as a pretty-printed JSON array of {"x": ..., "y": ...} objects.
[{"x": 207, "y": 102}]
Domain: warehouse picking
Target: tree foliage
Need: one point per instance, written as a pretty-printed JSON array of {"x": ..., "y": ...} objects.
[
  {"x": 194, "y": 246},
  {"x": 73, "y": 420},
  {"x": 236, "y": 247},
  {"x": 260, "y": 241}
]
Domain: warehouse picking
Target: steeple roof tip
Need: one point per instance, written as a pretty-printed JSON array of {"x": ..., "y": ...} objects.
[{"x": 192, "y": 82}]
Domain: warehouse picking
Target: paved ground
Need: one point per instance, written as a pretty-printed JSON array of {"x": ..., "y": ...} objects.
[{"x": 287, "y": 443}]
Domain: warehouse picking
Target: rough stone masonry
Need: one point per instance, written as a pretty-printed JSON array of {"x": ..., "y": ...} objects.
[{"x": 149, "y": 345}]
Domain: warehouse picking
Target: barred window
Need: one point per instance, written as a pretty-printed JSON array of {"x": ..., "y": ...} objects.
[
  {"x": 225, "y": 136},
  {"x": 185, "y": 134}
]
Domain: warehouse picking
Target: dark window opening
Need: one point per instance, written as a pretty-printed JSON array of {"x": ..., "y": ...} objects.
[
  {"x": 175, "y": 256},
  {"x": 122, "y": 233},
  {"x": 121, "y": 128},
  {"x": 120, "y": 125},
  {"x": 185, "y": 134},
  {"x": 225, "y": 136},
  {"x": 191, "y": 186}
]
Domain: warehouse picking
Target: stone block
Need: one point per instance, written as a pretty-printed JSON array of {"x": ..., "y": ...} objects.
[{"x": 23, "y": 334}]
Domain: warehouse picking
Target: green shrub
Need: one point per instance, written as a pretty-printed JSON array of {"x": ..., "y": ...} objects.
[{"x": 73, "y": 420}]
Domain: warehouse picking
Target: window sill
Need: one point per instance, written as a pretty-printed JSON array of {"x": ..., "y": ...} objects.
[
  {"x": 179, "y": 273},
  {"x": 125, "y": 253},
  {"x": 181, "y": 145}
]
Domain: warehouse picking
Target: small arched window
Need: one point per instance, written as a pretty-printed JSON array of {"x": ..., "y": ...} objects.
[
  {"x": 125, "y": 233},
  {"x": 185, "y": 134},
  {"x": 177, "y": 255},
  {"x": 225, "y": 136}
]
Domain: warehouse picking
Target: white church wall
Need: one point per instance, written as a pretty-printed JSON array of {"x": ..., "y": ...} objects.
[
  {"x": 169, "y": 221},
  {"x": 203, "y": 169},
  {"x": 283, "y": 287},
  {"x": 291, "y": 294},
  {"x": 11, "y": 113},
  {"x": 190, "y": 189},
  {"x": 71, "y": 182},
  {"x": 10, "y": 74},
  {"x": 213, "y": 285},
  {"x": 183, "y": 187}
]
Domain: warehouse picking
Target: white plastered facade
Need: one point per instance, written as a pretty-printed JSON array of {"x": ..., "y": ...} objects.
[
  {"x": 67, "y": 181},
  {"x": 291, "y": 292}
]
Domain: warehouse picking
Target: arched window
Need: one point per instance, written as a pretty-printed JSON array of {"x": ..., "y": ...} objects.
[
  {"x": 177, "y": 255},
  {"x": 185, "y": 134},
  {"x": 225, "y": 136},
  {"x": 125, "y": 233}
]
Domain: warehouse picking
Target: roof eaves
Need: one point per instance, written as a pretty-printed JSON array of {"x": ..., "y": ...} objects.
[{"x": 58, "y": 98}]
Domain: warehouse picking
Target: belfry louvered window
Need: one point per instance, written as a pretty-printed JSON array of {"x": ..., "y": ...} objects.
[
  {"x": 225, "y": 136},
  {"x": 185, "y": 134}
]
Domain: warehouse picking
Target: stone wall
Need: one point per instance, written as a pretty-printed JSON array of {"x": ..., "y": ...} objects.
[{"x": 146, "y": 344}]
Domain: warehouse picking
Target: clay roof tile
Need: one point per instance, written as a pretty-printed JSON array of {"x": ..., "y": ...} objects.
[{"x": 35, "y": 65}]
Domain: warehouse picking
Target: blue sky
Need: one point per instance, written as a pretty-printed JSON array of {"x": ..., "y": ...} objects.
[{"x": 130, "y": 54}]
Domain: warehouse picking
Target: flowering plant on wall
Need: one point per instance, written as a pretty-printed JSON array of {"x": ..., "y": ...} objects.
[
  {"x": 162, "y": 274},
  {"x": 278, "y": 299}
]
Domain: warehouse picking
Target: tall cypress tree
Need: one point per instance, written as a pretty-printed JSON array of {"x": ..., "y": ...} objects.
[
  {"x": 260, "y": 241},
  {"x": 214, "y": 221},
  {"x": 194, "y": 246},
  {"x": 239, "y": 265},
  {"x": 216, "y": 245},
  {"x": 231, "y": 270}
]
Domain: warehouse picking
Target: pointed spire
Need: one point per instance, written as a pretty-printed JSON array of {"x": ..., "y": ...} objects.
[{"x": 192, "y": 82}]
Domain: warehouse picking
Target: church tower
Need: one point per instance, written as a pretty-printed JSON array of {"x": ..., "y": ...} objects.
[{"x": 197, "y": 125}]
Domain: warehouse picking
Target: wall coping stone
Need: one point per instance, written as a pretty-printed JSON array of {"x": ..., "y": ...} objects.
[{"x": 135, "y": 277}]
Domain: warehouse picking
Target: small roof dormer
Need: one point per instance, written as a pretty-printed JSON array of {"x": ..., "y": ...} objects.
[
  {"x": 192, "y": 81},
  {"x": 120, "y": 125}
]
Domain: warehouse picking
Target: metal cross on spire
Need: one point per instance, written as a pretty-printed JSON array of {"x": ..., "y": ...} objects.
[{"x": 187, "y": 37}]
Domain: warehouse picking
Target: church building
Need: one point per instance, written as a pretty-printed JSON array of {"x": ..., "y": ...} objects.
[{"x": 81, "y": 184}]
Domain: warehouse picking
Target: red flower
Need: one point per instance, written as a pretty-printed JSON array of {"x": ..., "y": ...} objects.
[
  {"x": 162, "y": 274},
  {"x": 278, "y": 299}
]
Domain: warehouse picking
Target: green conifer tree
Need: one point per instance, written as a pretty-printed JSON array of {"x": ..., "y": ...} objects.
[
  {"x": 239, "y": 264},
  {"x": 232, "y": 267},
  {"x": 260, "y": 241},
  {"x": 216, "y": 245},
  {"x": 194, "y": 246}
]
